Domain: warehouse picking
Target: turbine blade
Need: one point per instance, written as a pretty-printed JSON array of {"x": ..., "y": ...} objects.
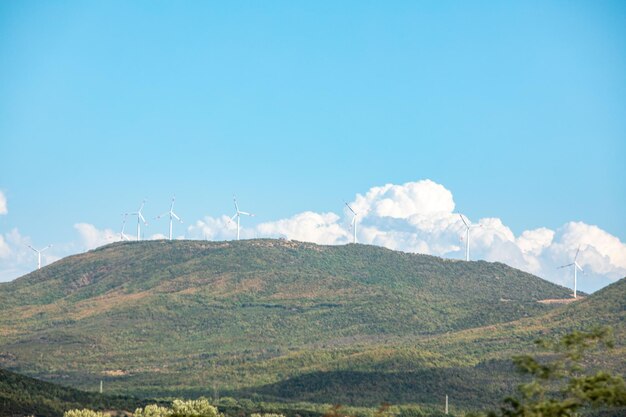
[
  {"x": 348, "y": 205},
  {"x": 577, "y": 251},
  {"x": 142, "y": 218},
  {"x": 236, "y": 206},
  {"x": 176, "y": 217},
  {"x": 245, "y": 212},
  {"x": 464, "y": 222},
  {"x": 32, "y": 248},
  {"x": 47, "y": 247},
  {"x": 565, "y": 266}
]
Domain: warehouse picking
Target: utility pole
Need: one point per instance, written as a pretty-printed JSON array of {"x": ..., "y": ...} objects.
[{"x": 446, "y": 405}]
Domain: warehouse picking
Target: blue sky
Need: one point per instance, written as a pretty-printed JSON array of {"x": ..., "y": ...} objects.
[{"x": 519, "y": 110}]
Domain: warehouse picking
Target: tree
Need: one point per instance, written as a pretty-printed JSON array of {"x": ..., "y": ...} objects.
[
  {"x": 193, "y": 408},
  {"x": 560, "y": 387},
  {"x": 180, "y": 408},
  {"x": 152, "y": 410}
]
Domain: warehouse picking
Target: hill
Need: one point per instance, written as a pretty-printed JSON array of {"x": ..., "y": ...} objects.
[
  {"x": 259, "y": 318},
  {"x": 472, "y": 365},
  {"x": 20, "y": 395}
]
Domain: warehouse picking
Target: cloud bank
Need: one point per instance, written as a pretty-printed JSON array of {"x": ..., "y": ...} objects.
[
  {"x": 420, "y": 217},
  {"x": 415, "y": 217}
]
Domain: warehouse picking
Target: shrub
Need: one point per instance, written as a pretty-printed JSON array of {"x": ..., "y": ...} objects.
[
  {"x": 193, "y": 408},
  {"x": 152, "y": 410},
  {"x": 83, "y": 413}
]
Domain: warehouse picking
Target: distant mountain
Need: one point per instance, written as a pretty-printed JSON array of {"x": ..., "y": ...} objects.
[{"x": 274, "y": 319}]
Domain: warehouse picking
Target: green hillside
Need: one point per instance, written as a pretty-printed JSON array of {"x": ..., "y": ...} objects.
[
  {"x": 20, "y": 395},
  {"x": 274, "y": 319},
  {"x": 472, "y": 365}
]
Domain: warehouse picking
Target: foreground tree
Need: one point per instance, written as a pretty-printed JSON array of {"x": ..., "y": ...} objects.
[
  {"x": 152, "y": 410},
  {"x": 180, "y": 408},
  {"x": 560, "y": 387}
]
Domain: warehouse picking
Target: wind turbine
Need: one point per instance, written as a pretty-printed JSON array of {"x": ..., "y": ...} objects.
[
  {"x": 468, "y": 227},
  {"x": 238, "y": 214},
  {"x": 122, "y": 234},
  {"x": 353, "y": 223},
  {"x": 576, "y": 267},
  {"x": 172, "y": 215},
  {"x": 140, "y": 219},
  {"x": 39, "y": 254}
]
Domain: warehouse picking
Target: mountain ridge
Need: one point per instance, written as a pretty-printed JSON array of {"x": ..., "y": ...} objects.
[{"x": 164, "y": 318}]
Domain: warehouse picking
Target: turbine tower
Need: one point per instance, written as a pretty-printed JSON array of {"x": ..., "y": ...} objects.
[
  {"x": 172, "y": 216},
  {"x": 468, "y": 227},
  {"x": 576, "y": 267},
  {"x": 238, "y": 214},
  {"x": 140, "y": 219},
  {"x": 39, "y": 254},
  {"x": 353, "y": 223}
]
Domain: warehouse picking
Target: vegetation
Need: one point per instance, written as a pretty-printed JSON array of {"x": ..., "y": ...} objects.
[
  {"x": 179, "y": 408},
  {"x": 83, "y": 413},
  {"x": 560, "y": 387},
  {"x": 275, "y": 321},
  {"x": 20, "y": 395}
]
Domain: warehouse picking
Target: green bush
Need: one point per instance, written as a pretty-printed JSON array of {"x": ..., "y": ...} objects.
[
  {"x": 83, "y": 413},
  {"x": 152, "y": 410},
  {"x": 193, "y": 408}
]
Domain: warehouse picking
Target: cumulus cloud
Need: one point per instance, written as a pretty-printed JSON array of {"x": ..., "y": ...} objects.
[
  {"x": 17, "y": 259},
  {"x": 533, "y": 242},
  {"x": 322, "y": 228},
  {"x": 415, "y": 217},
  {"x": 420, "y": 217},
  {"x": 216, "y": 228},
  {"x": 5, "y": 250},
  {"x": 421, "y": 198},
  {"x": 91, "y": 237}
]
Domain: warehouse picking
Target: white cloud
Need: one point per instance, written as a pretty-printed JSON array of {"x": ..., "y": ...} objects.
[
  {"x": 419, "y": 217},
  {"x": 5, "y": 250},
  {"x": 414, "y": 217},
  {"x": 600, "y": 252},
  {"x": 158, "y": 236},
  {"x": 535, "y": 241},
  {"x": 212, "y": 228},
  {"x": 3, "y": 203},
  {"x": 322, "y": 228},
  {"x": 17, "y": 259},
  {"x": 91, "y": 237},
  {"x": 424, "y": 198}
]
